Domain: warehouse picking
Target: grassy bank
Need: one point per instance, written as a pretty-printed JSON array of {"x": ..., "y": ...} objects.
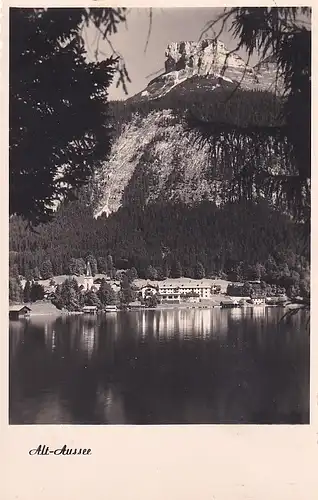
[{"x": 43, "y": 308}]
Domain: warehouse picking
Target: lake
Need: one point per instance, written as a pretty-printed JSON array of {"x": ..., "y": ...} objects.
[{"x": 173, "y": 366}]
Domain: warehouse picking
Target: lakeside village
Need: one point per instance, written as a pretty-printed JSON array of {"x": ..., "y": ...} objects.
[{"x": 88, "y": 294}]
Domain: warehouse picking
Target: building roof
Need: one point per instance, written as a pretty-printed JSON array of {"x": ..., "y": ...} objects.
[
  {"x": 187, "y": 282},
  {"x": 18, "y": 307},
  {"x": 175, "y": 282}
]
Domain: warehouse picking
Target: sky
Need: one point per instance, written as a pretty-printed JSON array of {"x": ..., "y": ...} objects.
[{"x": 168, "y": 25}]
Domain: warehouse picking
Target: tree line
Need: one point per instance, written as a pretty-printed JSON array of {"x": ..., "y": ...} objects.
[
  {"x": 73, "y": 297},
  {"x": 244, "y": 108}
]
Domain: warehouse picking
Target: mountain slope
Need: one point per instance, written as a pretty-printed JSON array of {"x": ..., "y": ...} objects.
[
  {"x": 154, "y": 159},
  {"x": 155, "y": 156}
]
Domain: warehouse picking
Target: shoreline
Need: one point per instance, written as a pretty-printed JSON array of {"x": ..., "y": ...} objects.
[{"x": 160, "y": 307}]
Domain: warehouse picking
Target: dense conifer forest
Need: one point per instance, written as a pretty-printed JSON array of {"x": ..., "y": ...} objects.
[
  {"x": 219, "y": 238},
  {"x": 223, "y": 105}
]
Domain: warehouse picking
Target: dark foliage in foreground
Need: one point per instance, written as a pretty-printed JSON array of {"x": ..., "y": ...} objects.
[
  {"x": 59, "y": 125},
  {"x": 280, "y": 34}
]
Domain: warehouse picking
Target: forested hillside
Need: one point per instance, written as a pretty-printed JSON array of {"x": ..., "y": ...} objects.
[
  {"x": 219, "y": 237},
  {"x": 222, "y": 105}
]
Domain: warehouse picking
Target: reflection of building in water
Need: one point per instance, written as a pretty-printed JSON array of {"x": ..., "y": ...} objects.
[
  {"x": 141, "y": 321},
  {"x": 191, "y": 322},
  {"x": 258, "y": 311},
  {"x": 157, "y": 323},
  {"x": 113, "y": 322},
  {"x": 53, "y": 340},
  {"x": 154, "y": 324},
  {"x": 220, "y": 322},
  {"x": 143, "y": 324},
  {"x": 89, "y": 336},
  {"x": 236, "y": 313},
  {"x": 50, "y": 339},
  {"x": 164, "y": 324},
  {"x": 168, "y": 324},
  {"x": 16, "y": 334},
  {"x": 183, "y": 323},
  {"x": 206, "y": 322},
  {"x": 46, "y": 326}
]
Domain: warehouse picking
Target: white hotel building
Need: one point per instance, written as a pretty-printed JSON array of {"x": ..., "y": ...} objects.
[{"x": 179, "y": 289}]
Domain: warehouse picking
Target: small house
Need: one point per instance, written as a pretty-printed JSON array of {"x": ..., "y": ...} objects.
[
  {"x": 19, "y": 311},
  {"x": 148, "y": 291},
  {"x": 90, "y": 309},
  {"x": 258, "y": 299}
]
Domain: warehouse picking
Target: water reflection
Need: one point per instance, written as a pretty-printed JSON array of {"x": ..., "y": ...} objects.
[{"x": 164, "y": 366}]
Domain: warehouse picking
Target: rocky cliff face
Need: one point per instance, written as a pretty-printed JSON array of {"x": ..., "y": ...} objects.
[
  {"x": 201, "y": 58},
  {"x": 154, "y": 159},
  {"x": 208, "y": 60}
]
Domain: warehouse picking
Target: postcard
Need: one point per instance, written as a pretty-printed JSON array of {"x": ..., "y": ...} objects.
[{"x": 159, "y": 337}]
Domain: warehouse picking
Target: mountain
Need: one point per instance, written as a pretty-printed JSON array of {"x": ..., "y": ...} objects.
[
  {"x": 155, "y": 157},
  {"x": 162, "y": 200},
  {"x": 209, "y": 64}
]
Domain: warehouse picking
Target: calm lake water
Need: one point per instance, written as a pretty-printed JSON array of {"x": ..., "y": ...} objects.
[{"x": 161, "y": 367}]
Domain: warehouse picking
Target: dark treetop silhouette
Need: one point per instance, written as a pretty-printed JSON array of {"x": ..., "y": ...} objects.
[
  {"x": 59, "y": 128},
  {"x": 283, "y": 35}
]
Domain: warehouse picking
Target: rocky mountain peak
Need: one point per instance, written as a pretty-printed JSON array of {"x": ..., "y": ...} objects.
[
  {"x": 202, "y": 58},
  {"x": 208, "y": 64}
]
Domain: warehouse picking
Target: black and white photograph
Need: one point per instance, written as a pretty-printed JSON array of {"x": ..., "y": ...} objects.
[{"x": 159, "y": 215}]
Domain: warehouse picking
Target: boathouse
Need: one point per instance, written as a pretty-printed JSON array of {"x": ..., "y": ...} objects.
[
  {"x": 19, "y": 311},
  {"x": 111, "y": 308},
  {"x": 227, "y": 302},
  {"x": 90, "y": 309}
]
